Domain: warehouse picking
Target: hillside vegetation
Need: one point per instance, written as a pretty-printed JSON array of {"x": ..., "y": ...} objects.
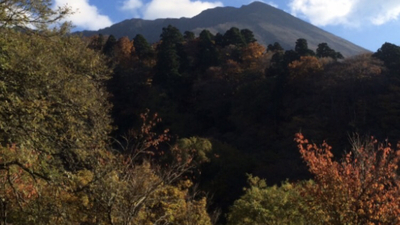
[{"x": 207, "y": 129}]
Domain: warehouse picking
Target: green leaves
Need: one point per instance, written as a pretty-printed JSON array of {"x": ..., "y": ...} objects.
[
  {"x": 28, "y": 13},
  {"x": 272, "y": 205},
  {"x": 196, "y": 148},
  {"x": 51, "y": 94}
]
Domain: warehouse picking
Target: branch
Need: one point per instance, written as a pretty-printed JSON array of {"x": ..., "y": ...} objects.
[{"x": 6, "y": 166}]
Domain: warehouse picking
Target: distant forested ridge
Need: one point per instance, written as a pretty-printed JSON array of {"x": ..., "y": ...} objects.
[{"x": 193, "y": 129}]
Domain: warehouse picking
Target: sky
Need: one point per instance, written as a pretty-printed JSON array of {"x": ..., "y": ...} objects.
[{"x": 367, "y": 23}]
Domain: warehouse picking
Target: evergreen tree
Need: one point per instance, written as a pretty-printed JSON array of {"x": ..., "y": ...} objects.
[
  {"x": 208, "y": 54},
  {"x": 189, "y": 35},
  {"x": 219, "y": 39},
  {"x": 324, "y": 50},
  {"x": 302, "y": 48},
  {"x": 168, "y": 73},
  {"x": 142, "y": 47},
  {"x": 108, "y": 48},
  {"x": 275, "y": 47},
  {"x": 390, "y": 55},
  {"x": 248, "y": 36},
  {"x": 233, "y": 36}
]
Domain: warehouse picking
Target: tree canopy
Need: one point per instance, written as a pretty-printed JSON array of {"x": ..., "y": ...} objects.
[
  {"x": 30, "y": 14},
  {"x": 78, "y": 144}
]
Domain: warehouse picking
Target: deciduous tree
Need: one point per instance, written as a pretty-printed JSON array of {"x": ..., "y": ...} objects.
[
  {"x": 362, "y": 188},
  {"x": 28, "y": 13}
]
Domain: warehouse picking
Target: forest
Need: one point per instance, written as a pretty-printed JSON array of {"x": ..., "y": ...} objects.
[{"x": 193, "y": 130}]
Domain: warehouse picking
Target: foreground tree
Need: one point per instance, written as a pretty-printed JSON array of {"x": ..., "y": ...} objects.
[
  {"x": 149, "y": 183},
  {"x": 274, "y": 205},
  {"x": 28, "y": 14},
  {"x": 363, "y": 188},
  {"x": 54, "y": 122}
]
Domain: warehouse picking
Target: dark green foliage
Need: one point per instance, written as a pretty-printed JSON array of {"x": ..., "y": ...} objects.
[
  {"x": 188, "y": 36},
  {"x": 168, "y": 59},
  {"x": 390, "y": 55},
  {"x": 108, "y": 48},
  {"x": 233, "y": 36},
  {"x": 224, "y": 176},
  {"x": 171, "y": 35},
  {"x": 248, "y": 36},
  {"x": 142, "y": 48},
  {"x": 290, "y": 56},
  {"x": 324, "y": 50},
  {"x": 219, "y": 39},
  {"x": 275, "y": 47},
  {"x": 277, "y": 66},
  {"x": 206, "y": 37},
  {"x": 302, "y": 48},
  {"x": 208, "y": 53}
]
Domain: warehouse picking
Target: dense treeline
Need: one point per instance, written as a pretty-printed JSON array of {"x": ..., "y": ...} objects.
[
  {"x": 105, "y": 131},
  {"x": 249, "y": 100}
]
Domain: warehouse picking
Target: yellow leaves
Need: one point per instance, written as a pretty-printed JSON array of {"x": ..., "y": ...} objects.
[
  {"x": 123, "y": 52},
  {"x": 252, "y": 56},
  {"x": 185, "y": 184},
  {"x": 54, "y": 100},
  {"x": 83, "y": 177},
  {"x": 85, "y": 200}
]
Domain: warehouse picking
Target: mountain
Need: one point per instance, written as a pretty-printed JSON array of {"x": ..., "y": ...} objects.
[{"x": 268, "y": 23}]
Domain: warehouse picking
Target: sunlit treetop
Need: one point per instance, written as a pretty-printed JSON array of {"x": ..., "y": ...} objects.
[{"x": 36, "y": 14}]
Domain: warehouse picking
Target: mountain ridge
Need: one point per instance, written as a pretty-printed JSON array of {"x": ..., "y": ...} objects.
[{"x": 268, "y": 23}]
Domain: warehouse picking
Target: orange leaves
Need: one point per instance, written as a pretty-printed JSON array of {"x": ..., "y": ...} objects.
[
  {"x": 123, "y": 51},
  {"x": 252, "y": 56},
  {"x": 19, "y": 180},
  {"x": 362, "y": 188},
  {"x": 306, "y": 66}
]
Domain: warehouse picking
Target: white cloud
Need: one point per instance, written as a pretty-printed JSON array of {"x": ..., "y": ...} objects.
[
  {"x": 86, "y": 16},
  {"x": 322, "y": 12},
  {"x": 352, "y": 13},
  {"x": 168, "y": 8},
  {"x": 131, "y": 4},
  {"x": 273, "y": 4},
  {"x": 384, "y": 17}
]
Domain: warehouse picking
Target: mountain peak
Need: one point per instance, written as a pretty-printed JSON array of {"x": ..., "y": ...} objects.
[
  {"x": 268, "y": 24},
  {"x": 256, "y": 4}
]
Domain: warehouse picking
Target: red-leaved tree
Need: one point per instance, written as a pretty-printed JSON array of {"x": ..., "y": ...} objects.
[{"x": 362, "y": 188}]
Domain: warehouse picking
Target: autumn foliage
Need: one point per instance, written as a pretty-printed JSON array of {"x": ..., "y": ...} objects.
[
  {"x": 362, "y": 188},
  {"x": 76, "y": 147}
]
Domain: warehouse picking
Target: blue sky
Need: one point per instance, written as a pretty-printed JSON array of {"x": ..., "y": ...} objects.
[{"x": 368, "y": 23}]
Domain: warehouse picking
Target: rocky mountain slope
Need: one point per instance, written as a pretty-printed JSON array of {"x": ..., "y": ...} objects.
[{"x": 269, "y": 25}]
